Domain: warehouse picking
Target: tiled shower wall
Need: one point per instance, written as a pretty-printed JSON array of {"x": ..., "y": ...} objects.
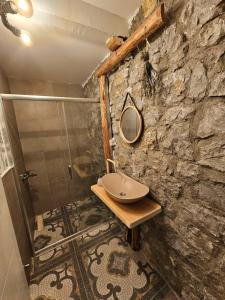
[
  {"x": 39, "y": 87},
  {"x": 13, "y": 283},
  {"x": 15, "y": 189}
]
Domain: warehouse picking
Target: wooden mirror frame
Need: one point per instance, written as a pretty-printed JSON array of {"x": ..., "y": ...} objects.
[{"x": 140, "y": 128}]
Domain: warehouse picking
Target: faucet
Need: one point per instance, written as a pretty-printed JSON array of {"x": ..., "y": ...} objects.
[
  {"x": 107, "y": 170},
  {"x": 107, "y": 165}
]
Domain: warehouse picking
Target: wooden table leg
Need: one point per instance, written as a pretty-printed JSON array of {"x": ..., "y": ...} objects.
[{"x": 133, "y": 238}]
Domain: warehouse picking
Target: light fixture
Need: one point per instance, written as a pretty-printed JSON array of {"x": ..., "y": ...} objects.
[
  {"x": 21, "y": 7},
  {"x": 24, "y": 7},
  {"x": 25, "y": 37}
]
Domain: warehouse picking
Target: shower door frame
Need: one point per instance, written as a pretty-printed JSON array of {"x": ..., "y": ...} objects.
[{"x": 18, "y": 97}]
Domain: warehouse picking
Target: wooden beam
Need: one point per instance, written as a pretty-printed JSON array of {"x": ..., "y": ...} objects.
[
  {"x": 149, "y": 26},
  {"x": 105, "y": 128}
]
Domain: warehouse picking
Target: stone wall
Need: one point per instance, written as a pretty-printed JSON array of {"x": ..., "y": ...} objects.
[{"x": 181, "y": 155}]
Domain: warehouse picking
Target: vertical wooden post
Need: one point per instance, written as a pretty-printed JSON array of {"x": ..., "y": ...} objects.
[
  {"x": 133, "y": 238},
  {"x": 105, "y": 128}
]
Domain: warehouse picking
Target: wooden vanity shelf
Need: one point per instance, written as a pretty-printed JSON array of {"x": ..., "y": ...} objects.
[{"x": 131, "y": 215}]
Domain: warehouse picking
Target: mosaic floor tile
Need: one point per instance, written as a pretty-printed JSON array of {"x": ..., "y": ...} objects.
[
  {"x": 97, "y": 264},
  {"x": 70, "y": 219},
  {"x": 58, "y": 283}
]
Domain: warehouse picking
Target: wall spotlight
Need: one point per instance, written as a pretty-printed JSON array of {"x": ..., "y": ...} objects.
[
  {"x": 26, "y": 38},
  {"x": 24, "y": 7},
  {"x": 21, "y": 7}
]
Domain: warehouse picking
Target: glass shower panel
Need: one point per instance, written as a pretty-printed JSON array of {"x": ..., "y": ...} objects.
[
  {"x": 43, "y": 139},
  {"x": 61, "y": 143},
  {"x": 82, "y": 122}
]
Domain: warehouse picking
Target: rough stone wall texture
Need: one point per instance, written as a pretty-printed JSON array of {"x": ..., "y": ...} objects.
[{"x": 181, "y": 155}]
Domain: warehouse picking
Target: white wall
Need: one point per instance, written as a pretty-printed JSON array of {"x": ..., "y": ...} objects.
[
  {"x": 13, "y": 284},
  {"x": 4, "y": 86}
]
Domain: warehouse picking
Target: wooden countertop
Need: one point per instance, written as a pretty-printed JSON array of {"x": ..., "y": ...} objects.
[{"x": 131, "y": 215}]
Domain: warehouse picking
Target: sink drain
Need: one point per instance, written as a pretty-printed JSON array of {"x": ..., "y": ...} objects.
[{"x": 122, "y": 194}]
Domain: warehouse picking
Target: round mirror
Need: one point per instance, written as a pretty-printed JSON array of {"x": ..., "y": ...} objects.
[{"x": 130, "y": 124}]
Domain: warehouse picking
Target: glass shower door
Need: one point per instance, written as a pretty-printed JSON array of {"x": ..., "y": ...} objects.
[
  {"x": 86, "y": 163},
  {"x": 59, "y": 142},
  {"x": 44, "y": 143},
  {"x": 43, "y": 139}
]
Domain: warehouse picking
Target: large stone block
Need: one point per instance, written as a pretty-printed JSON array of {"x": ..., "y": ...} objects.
[
  {"x": 195, "y": 14},
  {"x": 212, "y": 33},
  {"x": 149, "y": 140},
  {"x": 199, "y": 80},
  {"x": 175, "y": 84},
  {"x": 172, "y": 39},
  {"x": 210, "y": 195},
  {"x": 188, "y": 170},
  {"x": 177, "y": 113},
  {"x": 211, "y": 152},
  {"x": 209, "y": 127},
  {"x": 176, "y": 140},
  {"x": 152, "y": 115},
  {"x": 204, "y": 218},
  {"x": 208, "y": 174},
  {"x": 218, "y": 85},
  {"x": 137, "y": 70},
  {"x": 210, "y": 118}
]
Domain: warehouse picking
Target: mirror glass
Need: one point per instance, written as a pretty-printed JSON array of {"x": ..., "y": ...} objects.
[{"x": 130, "y": 124}]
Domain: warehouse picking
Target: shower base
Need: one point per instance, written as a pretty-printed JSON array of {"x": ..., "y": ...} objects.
[{"x": 61, "y": 223}]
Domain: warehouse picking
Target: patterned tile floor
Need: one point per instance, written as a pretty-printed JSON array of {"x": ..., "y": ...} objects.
[
  {"x": 97, "y": 264},
  {"x": 72, "y": 218}
]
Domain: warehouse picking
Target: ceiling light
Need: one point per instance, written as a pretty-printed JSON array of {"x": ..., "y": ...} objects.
[
  {"x": 26, "y": 39},
  {"x": 24, "y": 7}
]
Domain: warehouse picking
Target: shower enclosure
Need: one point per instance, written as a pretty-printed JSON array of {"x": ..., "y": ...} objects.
[{"x": 57, "y": 151}]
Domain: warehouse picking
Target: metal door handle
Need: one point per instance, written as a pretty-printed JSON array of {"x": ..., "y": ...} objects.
[
  {"x": 27, "y": 174},
  {"x": 70, "y": 171}
]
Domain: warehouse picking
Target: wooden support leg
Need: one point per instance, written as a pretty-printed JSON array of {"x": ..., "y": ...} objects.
[
  {"x": 40, "y": 223},
  {"x": 133, "y": 238}
]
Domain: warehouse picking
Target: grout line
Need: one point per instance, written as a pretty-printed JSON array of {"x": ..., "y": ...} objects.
[{"x": 153, "y": 297}]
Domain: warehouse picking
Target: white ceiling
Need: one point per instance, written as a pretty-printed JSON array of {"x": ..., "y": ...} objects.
[
  {"x": 124, "y": 9},
  {"x": 69, "y": 38}
]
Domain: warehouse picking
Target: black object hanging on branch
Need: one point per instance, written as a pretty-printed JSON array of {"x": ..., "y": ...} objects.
[{"x": 151, "y": 75}]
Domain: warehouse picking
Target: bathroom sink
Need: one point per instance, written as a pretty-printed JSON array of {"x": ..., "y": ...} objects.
[{"x": 123, "y": 189}]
